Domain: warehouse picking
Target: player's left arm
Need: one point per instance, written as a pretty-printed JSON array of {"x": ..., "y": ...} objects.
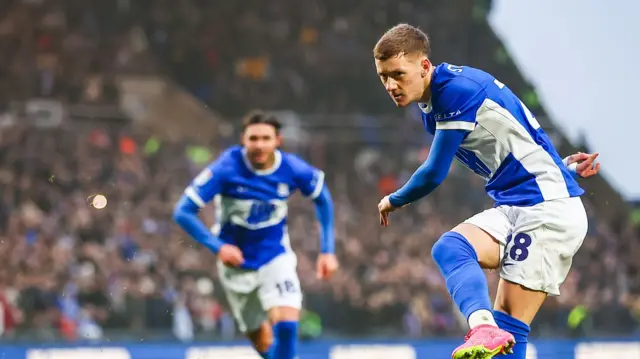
[
  {"x": 324, "y": 212},
  {"x": 582, "y": 164},
  {"x": 310, "y": 182},
  {"x": 327, "y": 261}
]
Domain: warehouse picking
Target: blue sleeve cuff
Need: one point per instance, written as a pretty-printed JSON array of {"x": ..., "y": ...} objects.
[
  {"x": 395, "y": 201},
  {"x": 185, "y": 214},
  {"x": 325, "y": 214},
  {"x": 572, "y": 168}
]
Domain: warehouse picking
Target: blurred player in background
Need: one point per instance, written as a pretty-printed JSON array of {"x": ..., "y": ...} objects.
[
  {"x": 251, "y": 185},
  {"x": 538, "y": 222}
]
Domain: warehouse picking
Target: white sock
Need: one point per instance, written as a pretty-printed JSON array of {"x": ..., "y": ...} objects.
[{"x": 480, "y": 317}]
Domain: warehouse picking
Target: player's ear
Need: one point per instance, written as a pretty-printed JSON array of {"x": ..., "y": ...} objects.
[
  {"x": 278, "y": 140},
  {"x": 426, "y": 66}
]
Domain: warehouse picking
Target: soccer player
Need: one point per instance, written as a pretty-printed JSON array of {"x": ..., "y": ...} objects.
[
  {"x": 538, "y": 222},
  {"x": 251, "y": 185}
]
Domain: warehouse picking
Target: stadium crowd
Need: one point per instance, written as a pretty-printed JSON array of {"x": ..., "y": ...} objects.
[
  {"x": 73, "y": 271},
  {"x": 311, "y": 56}
]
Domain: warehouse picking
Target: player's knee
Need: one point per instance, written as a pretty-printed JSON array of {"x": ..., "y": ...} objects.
[
  {"x": 262, "y": 338},
  {"x": 439, "y": 249},
  {"x": 452, "y": 247},
  {"x": 284, "y": 314}
]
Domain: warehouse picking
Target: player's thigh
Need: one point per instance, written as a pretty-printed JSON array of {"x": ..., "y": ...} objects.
[
  {"x": 247, "y": 310},
  {"x": 538, "y": 255},
  {"x": 280, "y": 291},
  {"x": 487, "y": 232},
  {"x": 241, "y": 290}
]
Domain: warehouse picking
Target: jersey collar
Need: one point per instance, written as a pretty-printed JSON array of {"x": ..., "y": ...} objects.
[
  {"x": 425, "y": 107},
  {"x": 266, "y": 171}
]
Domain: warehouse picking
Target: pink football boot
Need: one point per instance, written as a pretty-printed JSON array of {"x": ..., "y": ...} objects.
[{"x": 485, "y": 342}]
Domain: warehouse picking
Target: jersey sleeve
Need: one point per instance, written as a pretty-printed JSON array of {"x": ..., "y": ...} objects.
[
  {"x": 206, "y": 185},
  {"x": 458, "y": 103},
  {"x": 308, "y": 179}
]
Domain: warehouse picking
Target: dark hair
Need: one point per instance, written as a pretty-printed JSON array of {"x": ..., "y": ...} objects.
[
  {"x": 257, "y": 117},
  {"x": 402, "y": 39}
]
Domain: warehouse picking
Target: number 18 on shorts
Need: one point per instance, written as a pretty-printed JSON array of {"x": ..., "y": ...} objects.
[
  {"x": 539, "y": 242},
  {"x": 251, "y": 293}
]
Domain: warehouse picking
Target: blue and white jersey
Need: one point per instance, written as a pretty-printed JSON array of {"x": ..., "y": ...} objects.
[
  {"x": 505, "y": 144},
  {"x": 250, "y": 204}
]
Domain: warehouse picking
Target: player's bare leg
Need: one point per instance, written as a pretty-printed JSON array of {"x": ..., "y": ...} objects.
[
  {"x": 262, "y": 339},
  {"x": 517, "y": 301},
  {"x": 285, "y": 329},
  {"x": 487, "y": 248},
  {"x": 461, "y": 255},
  {"x": 514, "y": 310}
]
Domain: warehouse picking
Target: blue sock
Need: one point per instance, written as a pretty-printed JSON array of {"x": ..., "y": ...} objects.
[
  {"x": 465, "y": 280},
  {"x": 519, "y": 330},
  {"x": 286, "y": 339}
]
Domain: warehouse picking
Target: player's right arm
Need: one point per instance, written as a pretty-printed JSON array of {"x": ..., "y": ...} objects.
[
  {"x": 201, "y": 191},
  {"x": 455, "y": 118}
]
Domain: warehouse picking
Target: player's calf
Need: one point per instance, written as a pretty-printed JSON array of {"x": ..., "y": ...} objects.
[
  {"x": 285, "y": 329},
  {"x": 262, "y": 340}
]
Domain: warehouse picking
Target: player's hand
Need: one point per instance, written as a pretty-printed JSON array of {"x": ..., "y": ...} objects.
[
  {"x": 385, "y": 207},
  {"x": 327, "y": 265},
  {"x": 585, "y": 164},
  {"x": 231, "y": 255}
]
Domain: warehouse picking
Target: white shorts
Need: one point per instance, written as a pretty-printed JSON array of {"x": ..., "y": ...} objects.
[
  {"x": 251, "y": 293},
  {"x": 537, "y": 243}
]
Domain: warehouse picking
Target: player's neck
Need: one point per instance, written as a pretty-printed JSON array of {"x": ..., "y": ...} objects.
[{"x": 426, "y": 95}]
